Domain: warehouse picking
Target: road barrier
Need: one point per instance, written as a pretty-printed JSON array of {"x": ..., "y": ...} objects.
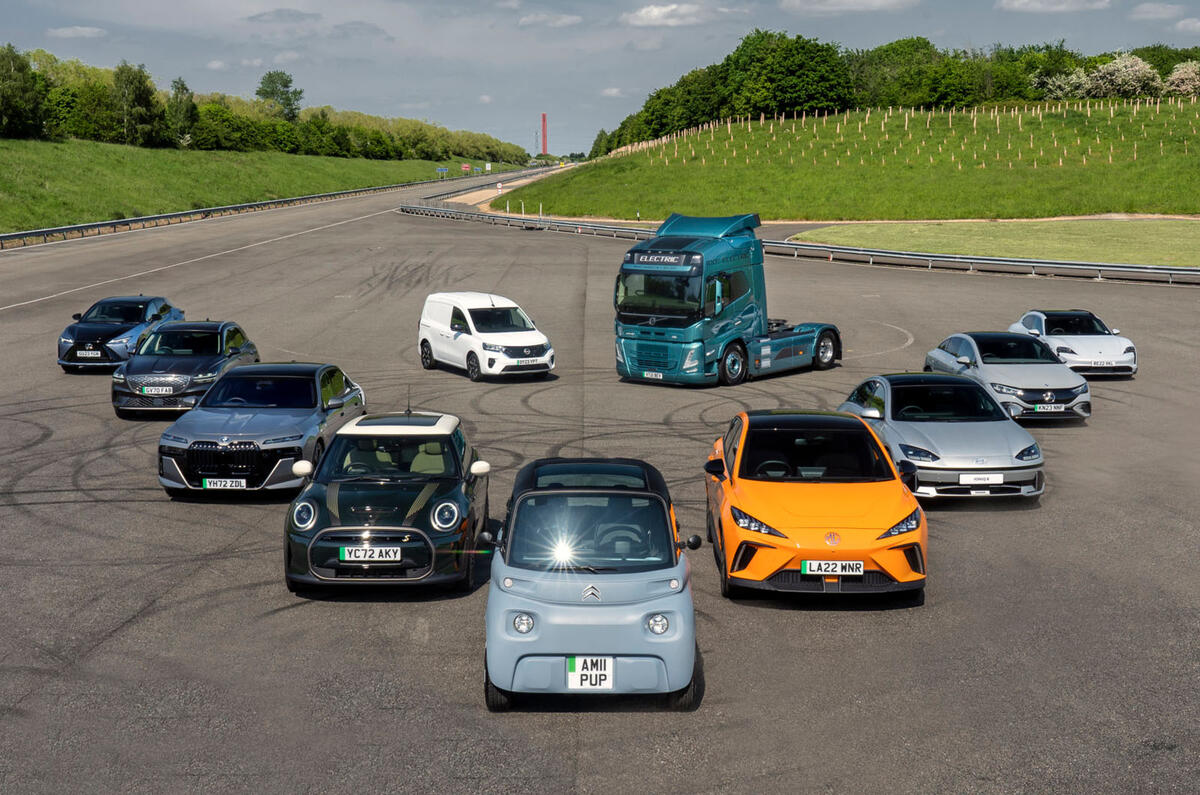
[
  {"x": 1104, "y": 271},
  {"x": 35, "y": 237}
]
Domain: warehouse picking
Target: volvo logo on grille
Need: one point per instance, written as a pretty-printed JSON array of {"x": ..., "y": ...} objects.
[
  {"x": 833, "y": 539},
  {"x": 591, "y": 592},
  {"x": 1048, "y": 397}
]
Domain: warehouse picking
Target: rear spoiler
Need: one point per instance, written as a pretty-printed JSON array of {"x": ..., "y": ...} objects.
[{"x": 695, "y": 226}]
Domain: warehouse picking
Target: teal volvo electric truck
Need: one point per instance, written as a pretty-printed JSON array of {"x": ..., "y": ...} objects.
[{"x": 692, "y": 309}]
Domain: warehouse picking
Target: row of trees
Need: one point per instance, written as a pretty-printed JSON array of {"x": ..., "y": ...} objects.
[
  {"x": 771, "y": 72},
  {"x": 43, "y": 97}
]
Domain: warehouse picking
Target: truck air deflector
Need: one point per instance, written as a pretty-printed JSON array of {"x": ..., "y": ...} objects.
[{"x": 724, "y": 226}]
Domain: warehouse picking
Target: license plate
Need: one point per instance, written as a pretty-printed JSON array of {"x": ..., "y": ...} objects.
[
  {"x": 88, "y": 354},
  {"x": 852, "y": 568},
  {"x": 589, "y": 673},
  {"x": 971, "y": 478},
  {"x": 655, "y": 376},
  {"x": 157, "y": 390},
  {"x": 527, "y": 361},
  {"x": 371, "y": 554},
  {"x": 1103, "y": 364},
  {"x": 1050, "y": 407},
  {"x": 223, "y": 483}
]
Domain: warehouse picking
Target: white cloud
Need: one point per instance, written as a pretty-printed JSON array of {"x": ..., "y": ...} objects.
[
  {"x": 834, "y": 7},
  {"x": 283, "y": 15},
  {"x": 215, "y": 65},
  {"x": 1052, "y": 6},
  {"x": 252, "y": 62},
  {"x": 1189, "y": 25},
  {"x": 1152, "y": 11},
  {"x": 611, "y": 92},
  {"x": 550, "y": 20},
  {"x": 287, "y": 56},
  {"x": 76, "y": 32},
  {"x": 672, "y": 15},
  {"x": 485, "y": 99},
  {"x": 509, "y": 4}
]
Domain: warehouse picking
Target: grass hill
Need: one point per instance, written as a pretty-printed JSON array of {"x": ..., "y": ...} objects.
[
  {"x": 1016, "y": 161},
  {"x": 45, "y": 184}
]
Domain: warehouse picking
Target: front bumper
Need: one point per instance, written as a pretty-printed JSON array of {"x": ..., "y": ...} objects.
[
  {"x": 1079, "y": 407},
  {"x": 313, "y": 558},
  {"x": 963, "y": 482},
  {"x": 263, "y": 469},
  {"x": 494, "y": 363},
  {"x": 126, "y": 399},
  {"x": 642, "y": 662},
  {"x": 1126, "y": 364},
  {"x": 664, "y": 363},
  {"x": 69, "y": 355}
]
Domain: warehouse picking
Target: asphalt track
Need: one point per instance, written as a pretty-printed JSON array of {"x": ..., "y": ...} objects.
[{"x": 150, "y": 645}]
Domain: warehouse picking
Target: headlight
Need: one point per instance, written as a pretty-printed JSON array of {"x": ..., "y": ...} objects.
[
  {"x": 121, "y": 341},
  {"x": 1004, "y": 389},
  {"x": 166, "y": 437},
  {"x": 917, "y": 453},
  {"x": 487, "y": 346},
  {"x": 620, "y": 353},
  {"x": 280, "y": 440},
  {"x": 65, "y": 340},
  {"x": 1065, "y": 349},
  {"x": 748, "y": 522},
  {"x": 1030, "y": 453},
  {"x": 444, "y": 515},
  {"x": 118, "y": 377},
  {"x": 204, "y": 378},
  {"x": 1131, "y": 349},
  {"x": 658, "y": 623},
  {"x": 905, "y": 525},
  {"x": 1079, "y": 390},
  {"x": 523, "y": 623},
  {"x": 692, "y": 360},
  {"x": 304, "y": 514}
]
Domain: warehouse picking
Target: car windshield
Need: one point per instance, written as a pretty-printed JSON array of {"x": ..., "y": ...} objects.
[
  {"x": 262, "y": 392},
  {"x": 500, "y": 319},
  {"x": 115, "y": 312},
  {"x": 593, "y": 532},
  {"x": 944, "y": 403},
  {"x": 181, "y": 343},
  {"x": 1074, "y": 325},
  {"x": 1016, "y": 349},
  {"x": 837, "y": 455},
  {"x": 651, "y": 294},
  {"x": 352, "y": 457}
]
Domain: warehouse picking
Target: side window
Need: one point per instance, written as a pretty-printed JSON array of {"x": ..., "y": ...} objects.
[
  {"x": 945, "y": 346},
  {"x": 460, "y": 445},
  {"x": 234, "y": 338},
  {"x": 151, "y": 308},
  {"x": 739, "y": 285},
  {"x": 1028, "y": 321},
  {"x": 164, "y": 309},
  {"x": 458, "y": 321},
  {"x": 859, "y": 396},
  {"x": 731, "y": 445},
  {"x": 874, "y": 396},
  {"x": 327, "y": 392},
  {"x": 954, "y": 347},
  {"x": 337, "y": 382}
]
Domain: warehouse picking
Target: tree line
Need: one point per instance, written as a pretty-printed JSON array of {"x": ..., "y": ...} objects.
[
  {"x": 44, "y": 97},
  {"x": 770, "y": 72}
]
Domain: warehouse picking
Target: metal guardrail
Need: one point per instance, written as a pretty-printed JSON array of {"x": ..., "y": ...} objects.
[
  {"x": 868, "y": 256},
  {"x": 39, "y": 236}
]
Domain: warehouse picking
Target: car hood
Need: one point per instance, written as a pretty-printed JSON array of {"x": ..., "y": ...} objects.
[
  {"x": 97, "y": 332},
  {"x": 966, "y": 444},
  {"x": 1092, "y": 346},
  {"x": 391, "y": 504},
  {"x": 242, "y": 423},
  {"x": 614, "y": 588},
  {"x": 179, "y": 365},
  {"x": 793, "y": 508},
  {"x": 515, "y": 338},
  {"x": 1031, "y": 376}
]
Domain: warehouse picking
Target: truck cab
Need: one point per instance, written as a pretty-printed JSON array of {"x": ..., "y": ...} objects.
[{"x": 691, "y": 308}]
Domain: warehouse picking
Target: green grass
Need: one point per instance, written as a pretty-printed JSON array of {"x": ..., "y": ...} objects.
[
  {"x": 45, "y": 184},
  {"x": 990, "y": 163},
  {"x": 1138, "y": 242}
]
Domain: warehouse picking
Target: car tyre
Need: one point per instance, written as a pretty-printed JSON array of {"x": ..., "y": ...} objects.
[
  {"x": 467, "y": 583},
  {"x": 175, "y": 494},
  {"x": 826, "y": 351},
  {"x": 688, "y": 699},
  {"x": 927, "y": 369},
  {"x": 427, "y": 360},
  {"x": 732, "y": 367},
  {"x": 69, "y": 369},
  {"x": 497, "y": 700},
  {"x": 125, "y": 414},
  {"x": 914, "y": 598},
  {"x": 473, "y": 371}
]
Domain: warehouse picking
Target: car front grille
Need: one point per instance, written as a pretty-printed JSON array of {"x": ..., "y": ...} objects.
[
  {"x": 416, "y": 563},
  {"x": 152, "y": 402},
  {"x": 526, "y": 368},
  {"x": 651, "y": 356},
  {"x": 73, "y": 353},
  {"x": 234, "y": 460},
  {"x": 794, "y": 580},
  {"x": 176, "y": 382},
  {"x": 1036, "y": 396},
  {"x": 524, "y": 351}
]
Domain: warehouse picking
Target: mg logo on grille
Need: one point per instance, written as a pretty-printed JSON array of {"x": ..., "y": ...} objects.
[
  {"x": 833, "y": 539},
  {"x": 591, "y": 592},
  {"x": 1048, "y": 397}
]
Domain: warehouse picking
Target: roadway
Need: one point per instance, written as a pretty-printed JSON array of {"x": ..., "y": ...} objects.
[{"x": 151, "y": 645}]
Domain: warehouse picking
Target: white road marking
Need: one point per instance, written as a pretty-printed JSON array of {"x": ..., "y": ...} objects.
[
  {"x": 194, "y": 259},
  {"x": 909, "y": 339}
]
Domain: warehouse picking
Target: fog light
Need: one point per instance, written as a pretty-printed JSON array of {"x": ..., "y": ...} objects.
[
  {"x": 491, "y": 362},
  {"x": 508, "y": 582},
  {"x": 674, "y": 584},
  {"x": 658, "y": 623},
  {"x": 523, "y": 623}
]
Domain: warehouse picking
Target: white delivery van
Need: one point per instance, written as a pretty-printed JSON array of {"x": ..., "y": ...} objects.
[{"x": 481, "y": 333}]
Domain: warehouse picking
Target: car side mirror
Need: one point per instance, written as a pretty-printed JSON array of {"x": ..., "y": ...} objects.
[
  {"x": 480, "y": 468},
  {"x": 1034, "y": 332},
  {"x": 715, "y": 467},
  {"x": 302, "y": 469},
  {"x": 486, "y": 537},
  {"x": 234, "y": 351},
  {"x": 694, "y": 542},
  {"x": 964, "y": 361},
  {"x": 157, "y": 316},
  {"x": 870, "y": 413},
  {"x": 1116, "y": 331},
  {"x": 459, "y": 328},
  {"x": 908, "y": 473},
  {"x": 335, "y": 403},
  {"x": 77, "y": 316}
]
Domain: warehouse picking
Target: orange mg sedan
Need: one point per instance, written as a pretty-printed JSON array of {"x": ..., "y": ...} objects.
[{"x": 810, "y": 501}]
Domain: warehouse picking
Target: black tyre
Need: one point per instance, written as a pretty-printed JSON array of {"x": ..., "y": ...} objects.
[
  {"x": 473, "y": 371},
  {"x": 927, "y": 369},
  {"x": 914, "y": 598},
  {"x": 125, "y": 414},
  {"x": 728, "y": 589},
  {"x": 175, "y": 494},
  {"x": 826, "y": 351},
  {"x": 468, "y": 580},
  {"x": 69, "y": 369},
  {"x": 688, "y": 698},
  {"x": 732, "y": 367},
  {"x": 427, "y": 360},
  {"x": 497, "y": 700}
]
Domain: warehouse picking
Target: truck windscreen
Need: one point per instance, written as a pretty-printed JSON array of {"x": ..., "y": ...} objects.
[{"x": 644, "y": 295}]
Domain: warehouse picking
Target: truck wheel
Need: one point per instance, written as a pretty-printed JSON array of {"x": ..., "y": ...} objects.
[
  {"x": 427, "y": 360},
  {"x": 826, "y": 351},
  {"x": 732, "y": 369},
  {"x": 473, "y": 371}
]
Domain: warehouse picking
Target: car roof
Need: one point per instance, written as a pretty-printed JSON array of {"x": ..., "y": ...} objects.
[
  {"x": 401, "y": 423},
  {"x": 1084, "y": 312},
  {"x": 194, "y": 325},
  {"x": 982, "y": 336},
  {"x": 926, "y": 379},
  {"x": 474, "y": 300},
  {"x": 277, "y": 368},
  {"x": 113, "y": 299},
  {"x": 775, "y": 419},
  {"x": 617, "y": 468}
]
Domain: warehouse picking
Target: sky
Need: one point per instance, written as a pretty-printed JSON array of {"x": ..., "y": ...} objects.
[{"x": 494, "y": 66}]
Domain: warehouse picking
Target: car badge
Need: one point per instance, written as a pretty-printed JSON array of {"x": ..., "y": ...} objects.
[
  {"x": 980, "y": 460},
  {"x": 1048, "y": 397},
  {"x": 90, "y": 346},
  {"x": 653, "y": 321},
  {"x": 526, "y": 351},
  {"x": 223, "y": 440},
  {"x": 833, "y": 539},
  {"x": 592, "y": 592}
]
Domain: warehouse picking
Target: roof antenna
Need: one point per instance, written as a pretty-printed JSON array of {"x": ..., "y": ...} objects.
[
  {"x": 492, "y": 298},
  {"x": 408, "y": 409}
]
